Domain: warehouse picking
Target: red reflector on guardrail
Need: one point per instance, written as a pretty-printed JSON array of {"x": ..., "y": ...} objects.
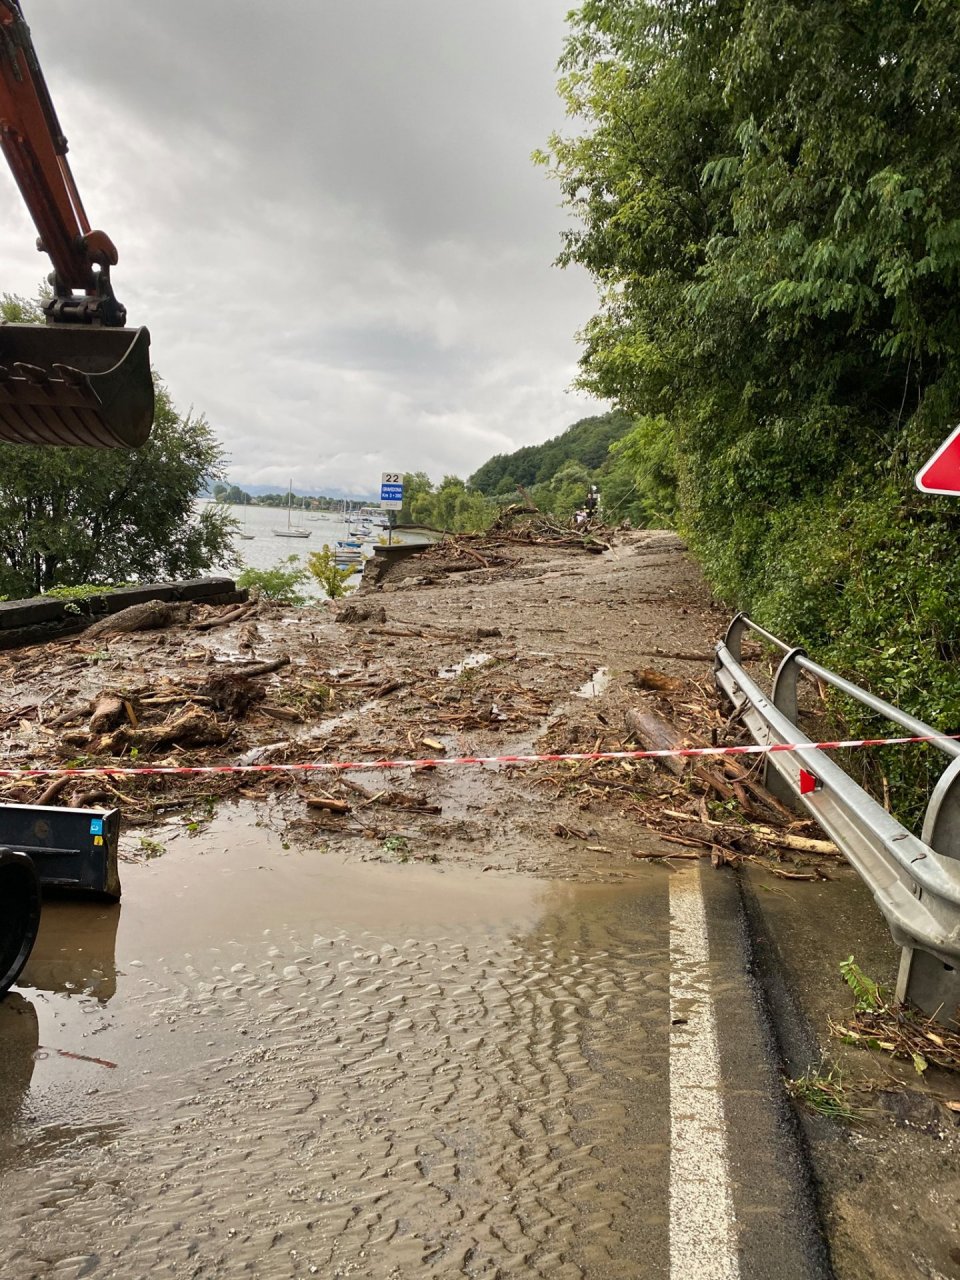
[{"x": 808, "y": 782}]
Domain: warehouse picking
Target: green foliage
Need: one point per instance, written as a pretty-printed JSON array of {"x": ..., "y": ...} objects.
[
  {"x": 766, "y": 194},
  {"x": 867, "y": 994},
  {"x": 83, "y": 591},
  {"x": 452, "y": 505},
  {"x": 99, "y": 517},
  {"x": 821, "y": 1090},
  {"x": 279, "y": 583},
  {"x": 322, "y": 566}
]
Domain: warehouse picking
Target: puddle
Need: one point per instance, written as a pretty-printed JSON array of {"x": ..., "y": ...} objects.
[
  {"x": 329, "y": 1068},
  {"x": 597, "y": 684},
  {"x": 469, "y": 663}
]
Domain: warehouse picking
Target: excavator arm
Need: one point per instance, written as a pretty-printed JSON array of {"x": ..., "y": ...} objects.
[{"x": 83, "y": 378}]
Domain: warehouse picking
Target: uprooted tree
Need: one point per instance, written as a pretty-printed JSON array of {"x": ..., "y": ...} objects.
[{"x": 72, "y": 516}]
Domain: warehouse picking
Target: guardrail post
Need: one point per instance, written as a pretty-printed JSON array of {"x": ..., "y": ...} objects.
[
  {"x": 924, "y": 979},
  {"x": 735, "y": 633},
  {"x": 784, "y": 697}
]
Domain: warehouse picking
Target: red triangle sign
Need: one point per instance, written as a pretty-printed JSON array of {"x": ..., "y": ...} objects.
[{"x": 941, "y": 473}]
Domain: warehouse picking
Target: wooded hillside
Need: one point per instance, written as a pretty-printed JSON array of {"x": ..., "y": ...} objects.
[{"x": 586, "y": 442}]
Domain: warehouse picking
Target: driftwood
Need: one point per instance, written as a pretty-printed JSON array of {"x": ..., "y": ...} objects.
[
  {"x": 328, "y": 803},
  {"x": 756, "y": 832},
  {"x": 657, "y": 734},
  {"x": 108, "y": 711},
  {"x": 224, "y": 619},
  {"x": 68, "y": 716},
  {"x": 657, "y": 681},
  {"x": 401, "y": 630},
  {"x": 149, "y": 616},
  {"x": 257, "y": 668},
  {"x": 193, "y": 727},
  {"x": 389, "y": 686},
  {"x": 288, "y": 714},
  {"x": 53, "y": 789},
  {"x": 727, "y": 778}
]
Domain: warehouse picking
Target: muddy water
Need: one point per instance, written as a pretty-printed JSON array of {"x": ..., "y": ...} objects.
[{"x": 325, "y": 1069}]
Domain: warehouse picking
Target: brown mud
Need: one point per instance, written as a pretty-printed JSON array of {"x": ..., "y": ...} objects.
[{"x": 422, "y": 1030}]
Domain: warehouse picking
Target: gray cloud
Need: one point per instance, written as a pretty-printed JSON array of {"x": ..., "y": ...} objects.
[{"x": 327, "y": 216}]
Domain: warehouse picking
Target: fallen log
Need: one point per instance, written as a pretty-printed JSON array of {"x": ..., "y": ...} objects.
[
  {"x": 149, "y": 616},
  {"x": 767, "y": 835},
  {"x": 256, "y": 668},
  {"x": 224, "y": 619},
  {"x": 656, "y": 734},
  {"x": 287, "y": 714}
]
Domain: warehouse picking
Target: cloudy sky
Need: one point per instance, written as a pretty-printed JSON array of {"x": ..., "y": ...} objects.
[{"x": 328, "y": 218}]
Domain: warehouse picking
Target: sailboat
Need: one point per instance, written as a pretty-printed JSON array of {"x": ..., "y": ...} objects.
[
  {"x": 247, "y": 537},
  {"x": 291, "y": 531}
]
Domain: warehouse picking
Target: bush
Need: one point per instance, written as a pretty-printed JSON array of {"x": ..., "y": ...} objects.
[
  {"x": 280, "y": 582},
  {"x": 322, "y": 565}
]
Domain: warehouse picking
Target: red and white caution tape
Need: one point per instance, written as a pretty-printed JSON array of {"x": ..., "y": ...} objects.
[{"x": 345, "y": 766}]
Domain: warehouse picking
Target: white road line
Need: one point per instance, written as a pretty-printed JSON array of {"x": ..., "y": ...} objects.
[{"x": 703, "y": 1233}]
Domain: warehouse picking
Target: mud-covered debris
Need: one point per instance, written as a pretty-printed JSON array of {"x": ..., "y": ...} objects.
[
  {"x": 354, "y": 613},
  {"x": 657, "y": 681},
  {"x": 232, "y": 695},
  {"x": 248, "y": 636},
  {"x": 250, "y": 669}
]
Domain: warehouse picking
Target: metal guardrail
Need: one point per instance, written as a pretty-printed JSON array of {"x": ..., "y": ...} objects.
[{"x": 914, "y": 881}]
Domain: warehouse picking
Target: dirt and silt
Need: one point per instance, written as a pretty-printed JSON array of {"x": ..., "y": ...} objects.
[{"x": 414, "y": 1022}]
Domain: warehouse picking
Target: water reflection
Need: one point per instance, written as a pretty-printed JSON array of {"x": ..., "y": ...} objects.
[
  {"x": 75, "y": 951},
  {"x": 20, "y": 1038}
]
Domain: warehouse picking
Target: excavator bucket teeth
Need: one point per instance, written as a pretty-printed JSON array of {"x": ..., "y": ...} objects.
[{"x": 75, "y": 385}]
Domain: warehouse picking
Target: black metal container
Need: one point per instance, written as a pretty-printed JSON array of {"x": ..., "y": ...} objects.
[{"x": 72, "y": 849}]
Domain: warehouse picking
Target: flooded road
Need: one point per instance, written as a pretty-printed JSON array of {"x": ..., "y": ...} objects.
[{"x": 365, "y": 1070}]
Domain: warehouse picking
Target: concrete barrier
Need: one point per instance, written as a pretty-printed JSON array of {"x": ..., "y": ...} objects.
[{"x": 36, "y": 621}]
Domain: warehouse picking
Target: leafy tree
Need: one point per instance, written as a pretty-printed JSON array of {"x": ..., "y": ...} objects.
[
  {"x": 565, "y": 491},
  {"x": 452, "y": 506},
  {"x": 231, "y": 494},
  {"x": 71, "y": 516},
  {"x": 416, "y": 485}
]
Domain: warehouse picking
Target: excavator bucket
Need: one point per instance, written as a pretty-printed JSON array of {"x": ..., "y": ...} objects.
[{"x": 75, "y": 385}]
